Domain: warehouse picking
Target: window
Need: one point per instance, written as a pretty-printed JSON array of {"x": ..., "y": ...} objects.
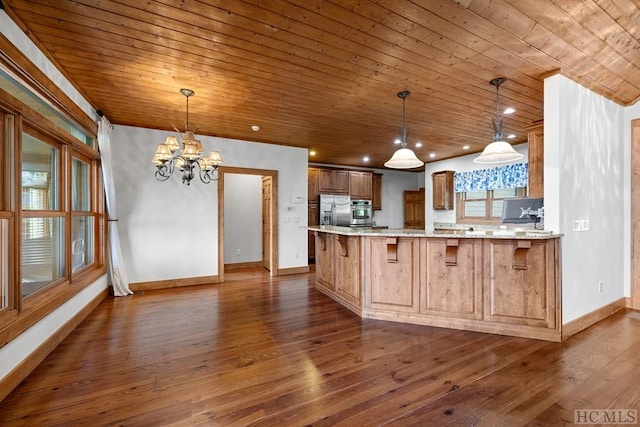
[
  {"x": 43, "y": 224},
  {"x": 82, "y": 222},
  {"x": 480, "y": 193},
  {"x": 484, "y": 206},
  {"x": 52, "y": 222}
]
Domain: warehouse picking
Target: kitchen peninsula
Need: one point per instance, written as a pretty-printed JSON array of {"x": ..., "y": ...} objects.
[{"x": 503, "y": 281}]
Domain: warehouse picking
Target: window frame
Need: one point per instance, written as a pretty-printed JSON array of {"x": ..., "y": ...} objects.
[
  {"x": 22, "y": 313},
  {"x": 61, "y": 195},
  {"x": 94, "y": 208},
  {"x": 489, "y": 199}
]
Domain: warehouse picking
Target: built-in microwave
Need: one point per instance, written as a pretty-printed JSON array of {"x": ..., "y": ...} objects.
[{"x": 361, "y": 213}]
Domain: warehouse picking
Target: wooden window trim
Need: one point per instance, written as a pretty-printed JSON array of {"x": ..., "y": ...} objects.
[
  {"x": 23, "y": 313},
  {"x": 461, "y": 219}
]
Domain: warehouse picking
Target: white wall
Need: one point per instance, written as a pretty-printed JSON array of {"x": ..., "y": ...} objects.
[
  {"x": 584, "y": 148},
  {"x": 458, "y": 164},
  {"x": 169, "y": 230},
  {"x": 16, "y": 351},
  {"x": 394, "y": 183},
  {"x": 242, "y": 218}
]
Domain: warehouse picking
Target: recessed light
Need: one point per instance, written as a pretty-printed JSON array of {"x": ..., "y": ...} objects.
[
  {"x": 432, "y": 155},
  {"x": 312, "y": 153},
  {"x": 397, "y": 141},
  {"x": 255, "y": 128},
  {"x": 465, "y": 147},
  {"x": 418, "y": 144},
  {"x": 511, "y": 136},
  {"x": 365, "y": 159},
  {"x": 509, "y": 110}
]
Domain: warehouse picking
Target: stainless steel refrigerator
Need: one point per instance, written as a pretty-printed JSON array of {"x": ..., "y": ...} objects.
[{"x": 335, "y": 209}]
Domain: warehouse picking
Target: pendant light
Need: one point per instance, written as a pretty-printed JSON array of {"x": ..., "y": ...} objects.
[
  {"x": 403, "y": 158},
  {"x": 499, "y": 151}
]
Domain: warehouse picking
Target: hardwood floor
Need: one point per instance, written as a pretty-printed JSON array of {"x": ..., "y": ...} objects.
[{"x": 261, "y": 351}]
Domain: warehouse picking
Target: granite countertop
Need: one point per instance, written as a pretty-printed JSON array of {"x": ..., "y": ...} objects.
[{"x": 403, "y": 232}]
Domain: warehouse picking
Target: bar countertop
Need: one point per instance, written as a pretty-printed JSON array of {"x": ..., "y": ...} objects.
[{"x": 404, "y": 232}]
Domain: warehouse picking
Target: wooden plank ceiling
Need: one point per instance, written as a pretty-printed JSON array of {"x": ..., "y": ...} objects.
[{"x": 324, "y": 75}]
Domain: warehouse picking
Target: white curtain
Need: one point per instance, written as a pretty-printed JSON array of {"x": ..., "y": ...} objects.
[{"x": 117, "y": 269}]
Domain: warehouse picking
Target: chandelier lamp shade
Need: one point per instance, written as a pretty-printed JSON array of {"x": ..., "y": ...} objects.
[
  {"x": 186, "y": 156},
  {"x": 403, "y": 158},
  {"x": 499, "y": 151}
]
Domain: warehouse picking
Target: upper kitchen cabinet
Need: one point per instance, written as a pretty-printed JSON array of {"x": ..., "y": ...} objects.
[
  {"x": 334, "y": 181},
  {"x": 442, "y": 190},
  {"x": 312, "y": 193},
  {"x": 376, "y": 191},
  {"x": 536, "y": 160},
  {"x": 360, "y": 185}
]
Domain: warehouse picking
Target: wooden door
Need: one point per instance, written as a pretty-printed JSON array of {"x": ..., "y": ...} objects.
[
  {"x": 414, "y": 209},
  {"x": 267, "y": 216},
  {"x": 635, "y": 214}
]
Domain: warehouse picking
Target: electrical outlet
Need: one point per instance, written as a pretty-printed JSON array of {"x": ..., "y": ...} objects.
[
  {"x": 297, "y": 254},
  {"x": 576, "y": 225},
  {"x": 584, "y": 224},
  {"x": 600, "y": 286},
  {"x": 237, "y": 251}
]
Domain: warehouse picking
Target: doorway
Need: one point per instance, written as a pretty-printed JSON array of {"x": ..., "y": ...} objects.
[
  {"x": 269, "y": 218},
  {"x": 414, "y": 209}
]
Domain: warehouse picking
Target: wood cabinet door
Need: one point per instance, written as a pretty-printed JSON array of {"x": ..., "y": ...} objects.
[
  {"x": 360, "y": 185},
  {"x": 520, "y": 283},
  {"x": 536, "y": 160},
  {"x": 333, "y": 181},
  {"x": 312, "y": 193},
  {"x": 325, "y": 180},
  {"x": 442, "y": 190},
  {"x": 312, "y": 212},
  {"x": 347, "y": 268},
  {"x": 452, "y": 277},
  {"x": 324, "y": 260},
  {"x": 414, "y": 209},
  {"x": 341, "y": 182},
  {"x": 391, "y": 268},
  {"x": 376, "y": 190}
]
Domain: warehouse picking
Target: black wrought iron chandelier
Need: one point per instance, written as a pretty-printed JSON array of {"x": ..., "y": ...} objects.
[{"x": 170, "y": 156}]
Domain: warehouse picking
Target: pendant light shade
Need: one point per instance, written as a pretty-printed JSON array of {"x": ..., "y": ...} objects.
[
  {"x": 403, "y": 158},
  {"x": 498, "y": 151}
]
